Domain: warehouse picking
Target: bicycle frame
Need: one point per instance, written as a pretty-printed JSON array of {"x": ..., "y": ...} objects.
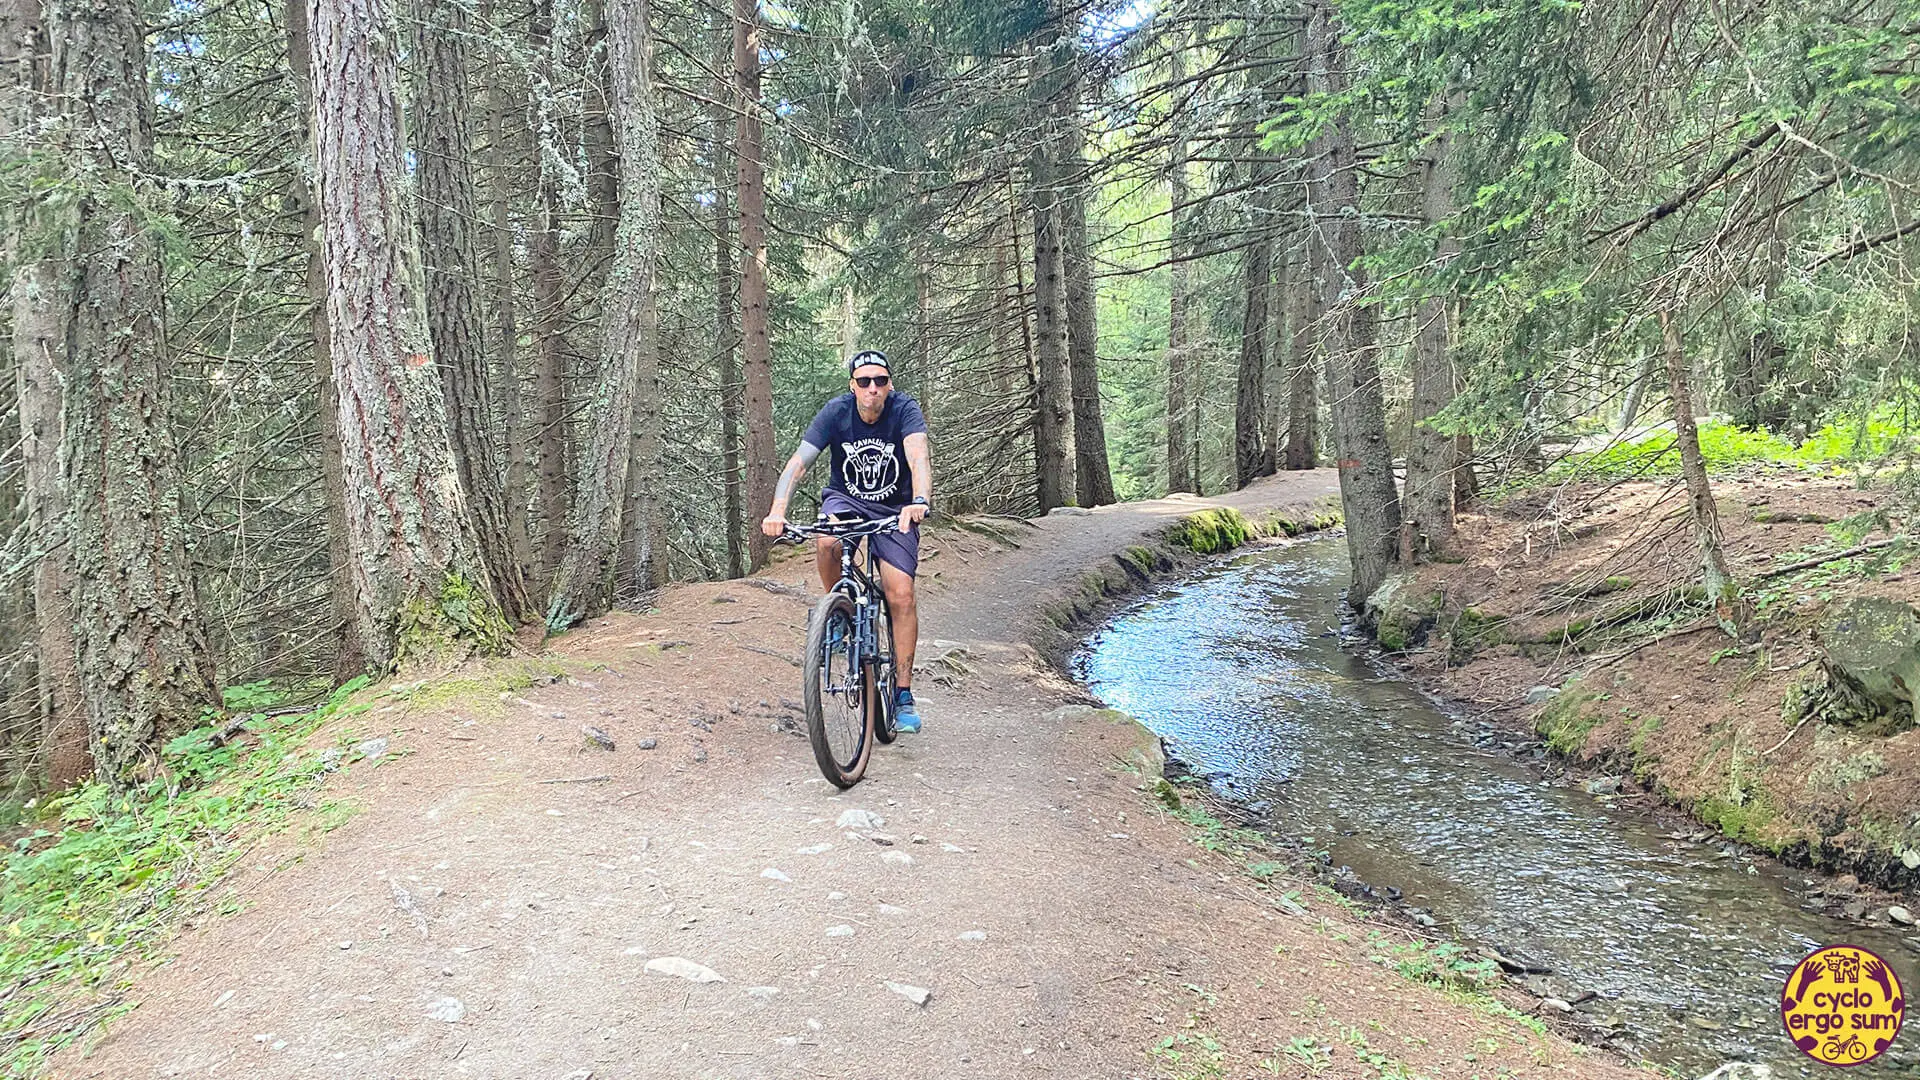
[
  {"x": 861, "y": 585},
  {"x": 863, "y": 690}
]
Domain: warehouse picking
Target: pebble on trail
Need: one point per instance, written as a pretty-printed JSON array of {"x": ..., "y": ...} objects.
[
  {"x": 682, "y": 968},
  {"x": 919, "y": 995}
]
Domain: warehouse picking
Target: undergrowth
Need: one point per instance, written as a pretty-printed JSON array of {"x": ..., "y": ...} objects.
[
  {"x": 104, "y": 878},
  {"x": 1724, "y": 446}
]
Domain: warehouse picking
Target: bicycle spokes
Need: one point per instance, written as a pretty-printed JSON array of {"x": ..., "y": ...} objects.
[{"x": 842, "y": 693}]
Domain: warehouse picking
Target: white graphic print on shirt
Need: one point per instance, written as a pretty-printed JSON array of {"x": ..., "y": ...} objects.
[{"x": 870, "y": 469}]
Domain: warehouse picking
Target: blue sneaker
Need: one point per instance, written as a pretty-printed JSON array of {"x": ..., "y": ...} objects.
[{"x": 906, "y": 718}]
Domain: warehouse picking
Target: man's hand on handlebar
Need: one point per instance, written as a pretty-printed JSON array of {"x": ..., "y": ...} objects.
[
  {"x": 774, "y": 524},
  {"x": 911, "y": 514}
]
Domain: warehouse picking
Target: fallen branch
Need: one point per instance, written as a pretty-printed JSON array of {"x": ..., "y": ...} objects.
[
  {"x": 1707, "y": 624},
  {"x": 1822, "y": 560},
  {"x": 1768, "y": 752},
  {"x": 578, "y": 779},
  {"x": 770, "y": 652}
]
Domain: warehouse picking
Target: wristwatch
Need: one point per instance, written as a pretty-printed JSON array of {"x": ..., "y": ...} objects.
[{"x": 920, "y": 500}]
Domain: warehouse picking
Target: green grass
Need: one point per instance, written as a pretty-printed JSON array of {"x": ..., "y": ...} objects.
[
  {"x": 103, "y": 879},
  {"x": 1724, "y": 447}
]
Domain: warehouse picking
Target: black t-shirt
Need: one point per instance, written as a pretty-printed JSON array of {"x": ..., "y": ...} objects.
[{"x": 869, "y": 460}]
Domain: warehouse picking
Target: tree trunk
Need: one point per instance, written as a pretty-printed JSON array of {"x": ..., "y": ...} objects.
[
  {"x": 553, "y": 494},
  {"x": 623, "y": 417},
  {"x": 1431, "y": 454},
  {"x": 444, "y": 174},
  {"x": 1006, "y": 350},
  {"x": 504, "y": 99},
  {"x": 726, "y": 330},
  {"x": 42, "y": 303},
  {"x": 603, "y": 165},
  {"x": 1274, "y": 425},
  {"x": 1250, "y": 387},
  {"x": 923, "y": 341},
  {"x": 1466, "y": 482},
  {"x": 628, "y": 305},
  {"x": 1093, "y": 475},
  {"x": 1367, "y": 493},
  {"x": 1728, "y": 607},
  {"x": 1636, "y": 393},
  {"x": 756, "y": 356},
  {"x": 418, "y": 580},
  {"x": 1052, "y": 405},
  {"x": 1179, "y": 452},
  {"x": 351, "y": 655},
  {"x": 1303, "y": 406},
  {"x": 145, "y": 668}
]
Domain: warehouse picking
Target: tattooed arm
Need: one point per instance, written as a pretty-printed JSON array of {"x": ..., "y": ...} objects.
[
  {"x": 783, "y": 491},
  {"x": 920, "y": 460}
]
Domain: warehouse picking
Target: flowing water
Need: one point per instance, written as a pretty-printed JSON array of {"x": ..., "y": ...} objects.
[{"x": 1686, "y": 945}]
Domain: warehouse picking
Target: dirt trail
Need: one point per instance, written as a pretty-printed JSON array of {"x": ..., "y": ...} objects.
[{"x": 473, "y": 921}]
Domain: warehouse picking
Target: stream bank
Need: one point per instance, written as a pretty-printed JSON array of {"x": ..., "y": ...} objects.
[
  {"x": 1567, "y": 616},
  {"x": 1672, "y": 946}
]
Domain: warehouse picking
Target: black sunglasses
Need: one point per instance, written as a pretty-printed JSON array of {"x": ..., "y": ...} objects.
[{"x": 864, "y": 381}]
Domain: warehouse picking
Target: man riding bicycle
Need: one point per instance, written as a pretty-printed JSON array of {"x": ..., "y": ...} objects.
[{"x": 880, "y": 468}]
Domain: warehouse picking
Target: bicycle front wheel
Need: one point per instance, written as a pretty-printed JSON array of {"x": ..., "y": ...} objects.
[
  {"x": 835, "y": 693},
  {"x": 881, "y": 679}
]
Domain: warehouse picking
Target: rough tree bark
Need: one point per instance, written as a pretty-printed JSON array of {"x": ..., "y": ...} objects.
[
  {"x": 1431, "y": 455},
  {"x": 756, "y": 356},
  {"x": 144, "y": 664},
  {"x": 1093, "y": 474},
  {"x": 1052, "y": 413},
  {"x": 418, "y": 580},
  {"x": 505, "y": 98},
  {"x": 552, "y": 491},
  {"x": 41, "y": 304},
  {"x": 1006, "y": 350},
  {"x": 603, "y": 165},
  {"x": 923, "y": 357},
  {"x": 1728, "y": 607},
  {"x": 1250, "y": 385},
  {"x": 1303, "y": 405},
  {"x": 1367, "y": 494},
  {"x": 628, "y": 306},
  {"x": 444, "y": 175},
  {"x": 726, "y": 330},
  {"x": 1274, "y": 425},
  {"x": 1180, "y": 471},
  {"x": 350, "y": 656},
  {"x": 620, "y": 471}
]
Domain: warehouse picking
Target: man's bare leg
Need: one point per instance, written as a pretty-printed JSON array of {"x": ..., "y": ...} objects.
[
  {"x": 826, "y": 559},
  {"x": 898, "y": 585}
]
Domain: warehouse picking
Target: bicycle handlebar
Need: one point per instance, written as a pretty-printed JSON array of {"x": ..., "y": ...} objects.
[{"x": 838, "y": 528}]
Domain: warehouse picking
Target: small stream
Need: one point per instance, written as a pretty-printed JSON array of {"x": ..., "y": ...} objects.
[{"x": 1686, "y": 946}]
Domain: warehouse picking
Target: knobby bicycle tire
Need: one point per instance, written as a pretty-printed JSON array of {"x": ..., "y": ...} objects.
[
  {"x": 817, "y": 667},
  {"x": 883, "y": 727}
]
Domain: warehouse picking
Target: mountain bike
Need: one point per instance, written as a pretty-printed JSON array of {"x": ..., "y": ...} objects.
[{"x": 847, "y": 674}]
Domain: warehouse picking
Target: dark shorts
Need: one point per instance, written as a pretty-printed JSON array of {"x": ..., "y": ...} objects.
[{"x": 896, "y": 549}]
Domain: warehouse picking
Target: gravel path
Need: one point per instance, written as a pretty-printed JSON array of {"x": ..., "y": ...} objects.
[{"x": 997, "y": 899}]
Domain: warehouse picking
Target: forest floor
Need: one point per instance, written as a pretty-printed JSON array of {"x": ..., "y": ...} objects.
[
  {"x": 1561, "y": 622},
  {"x": 491, "y": 907}
]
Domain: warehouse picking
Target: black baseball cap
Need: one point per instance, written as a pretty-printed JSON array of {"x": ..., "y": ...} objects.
[{"x": 868, "y": 358}]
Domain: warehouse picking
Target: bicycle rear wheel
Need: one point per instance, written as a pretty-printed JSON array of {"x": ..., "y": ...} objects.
[{"x": 835, "y": 692}]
